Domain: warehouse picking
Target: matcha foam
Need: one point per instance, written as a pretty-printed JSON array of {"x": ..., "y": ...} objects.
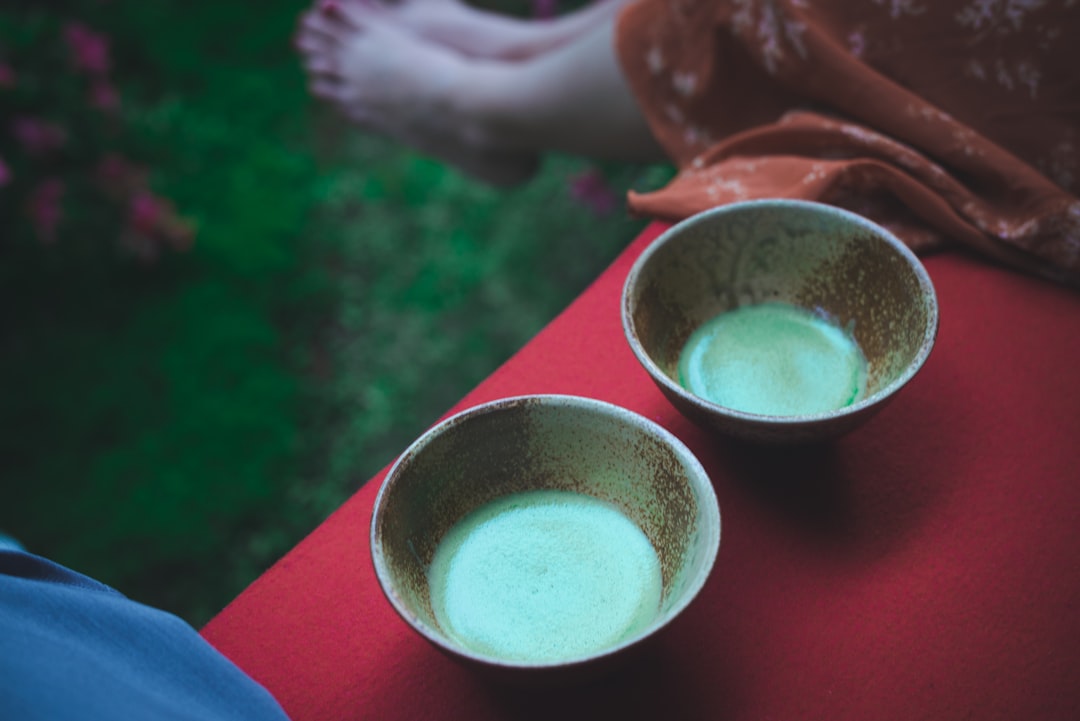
[
  {"x": 544, "y": 576},
  {"x": 773, "y": 359}
]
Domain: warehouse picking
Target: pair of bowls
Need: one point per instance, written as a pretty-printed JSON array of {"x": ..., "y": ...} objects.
[{"x": 805, "y": 254}]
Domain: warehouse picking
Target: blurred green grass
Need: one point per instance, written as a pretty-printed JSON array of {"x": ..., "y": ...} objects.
[{"x": 173, "y": 430}]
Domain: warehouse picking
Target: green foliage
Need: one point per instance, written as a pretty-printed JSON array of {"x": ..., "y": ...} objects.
[
  {"x": 442, "y": 280},
  {"x": 173, "y": 429},
  {"x": 151, "y": 414}
]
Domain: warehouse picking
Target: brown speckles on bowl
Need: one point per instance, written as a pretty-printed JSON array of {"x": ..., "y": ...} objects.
[
  {"x": 816, "y": 256},
  {"x": 543, "y": 442}
]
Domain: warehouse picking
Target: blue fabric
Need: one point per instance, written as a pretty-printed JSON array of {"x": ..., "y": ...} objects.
[
  {"x": 73, "y": 648},
  {"x": 9, "y": 543}
]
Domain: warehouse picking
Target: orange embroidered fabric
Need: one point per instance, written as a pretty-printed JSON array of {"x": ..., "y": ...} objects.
[{"x": 943, "y": 120}]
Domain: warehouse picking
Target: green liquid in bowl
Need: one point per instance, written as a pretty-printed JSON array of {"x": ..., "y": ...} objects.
[
  {"x": 544, "y": 576},
  {"x": 773, "y": 359}
]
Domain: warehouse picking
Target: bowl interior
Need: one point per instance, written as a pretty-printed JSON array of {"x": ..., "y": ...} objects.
[
  {"x": 542, "y": 442},
  {"x": 820, "y": 258}
]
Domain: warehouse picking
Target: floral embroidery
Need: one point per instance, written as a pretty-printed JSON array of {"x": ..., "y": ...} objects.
[
  {"x": 1023, "y": 73},
  {"x": 1028, "y": 75},
  {"x": 674, "y": 113},
  {"x": 928, "y": 113},
  {"x": 817, "y": 172},
  {"x": 771, "y": 30},
  {"x": 794, "y": 30},
  {"x": 698, "y": 137},
  {"x": 964, "y": 139},
  {"x": 684, "y": 83},
  {"x": 769, "y": 33},
  {"x": 975, "y": 69},
  {"x": 995, "y": 13},
  {"x": 654, "y": 60},
  {"x": 732, "y": 188},
  {"x": 866, "y": 138},
  {"x": 1049, "y": 37},
  {"x": 856, "y": 41},
  {"x": 897, "y": 8},
  {"x": 1003, "y": 76}
]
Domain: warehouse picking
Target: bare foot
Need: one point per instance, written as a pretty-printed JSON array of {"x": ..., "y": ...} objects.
[
  {"x": 403, "y": 86},
  {"x": 481, "y": 34}
]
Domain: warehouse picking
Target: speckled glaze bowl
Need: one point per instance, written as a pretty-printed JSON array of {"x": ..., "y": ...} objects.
[
  {"x": 832, "y": 262},
  {"x": 543, "y": 442}
]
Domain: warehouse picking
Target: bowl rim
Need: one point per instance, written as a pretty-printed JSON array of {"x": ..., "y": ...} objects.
[
  {"x": 697, "y": 475},
  {"x": 926, "y": 345}
]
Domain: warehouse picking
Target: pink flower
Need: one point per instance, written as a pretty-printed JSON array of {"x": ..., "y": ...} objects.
[
  {"x": 7, "y": 76},
  {"x": 590, "y": 188},
  {"x": 45, "y": 209},
  {"x": 103, "y": 95},
  {"x": 89, "y": 49},
  {"x": 5, "y": 173},
  {"x": 153, "y": 223},
  {"x": 37, "y": 136},
  {"x": 145, "y": 211}
]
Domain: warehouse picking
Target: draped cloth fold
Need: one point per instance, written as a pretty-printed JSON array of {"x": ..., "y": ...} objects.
[{"x": 946, "y": 121}]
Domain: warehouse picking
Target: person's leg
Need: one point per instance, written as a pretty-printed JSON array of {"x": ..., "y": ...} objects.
[
  {"x": 491, "y": 118},
  {"x": 572, "y": 99},
  {"x": 481, "y": 34},
  {"x": 384, "y": 79}
]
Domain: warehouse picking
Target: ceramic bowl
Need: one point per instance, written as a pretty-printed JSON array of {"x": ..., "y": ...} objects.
[
  {"x": 831, "y": 262},
  {"x": 543, "y": 443}
]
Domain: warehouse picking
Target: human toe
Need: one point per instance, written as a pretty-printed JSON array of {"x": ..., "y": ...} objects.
[
  {"x": 315, "y": 28},
  {"x": 347, "y": 14},
  {"x": 311, "y": 44}
]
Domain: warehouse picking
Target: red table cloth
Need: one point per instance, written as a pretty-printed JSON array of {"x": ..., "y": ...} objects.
[{"x": 926, "y": 566}]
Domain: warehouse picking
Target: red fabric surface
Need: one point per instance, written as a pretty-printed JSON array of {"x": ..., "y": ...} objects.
[{"x": 923, "y": 567}]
